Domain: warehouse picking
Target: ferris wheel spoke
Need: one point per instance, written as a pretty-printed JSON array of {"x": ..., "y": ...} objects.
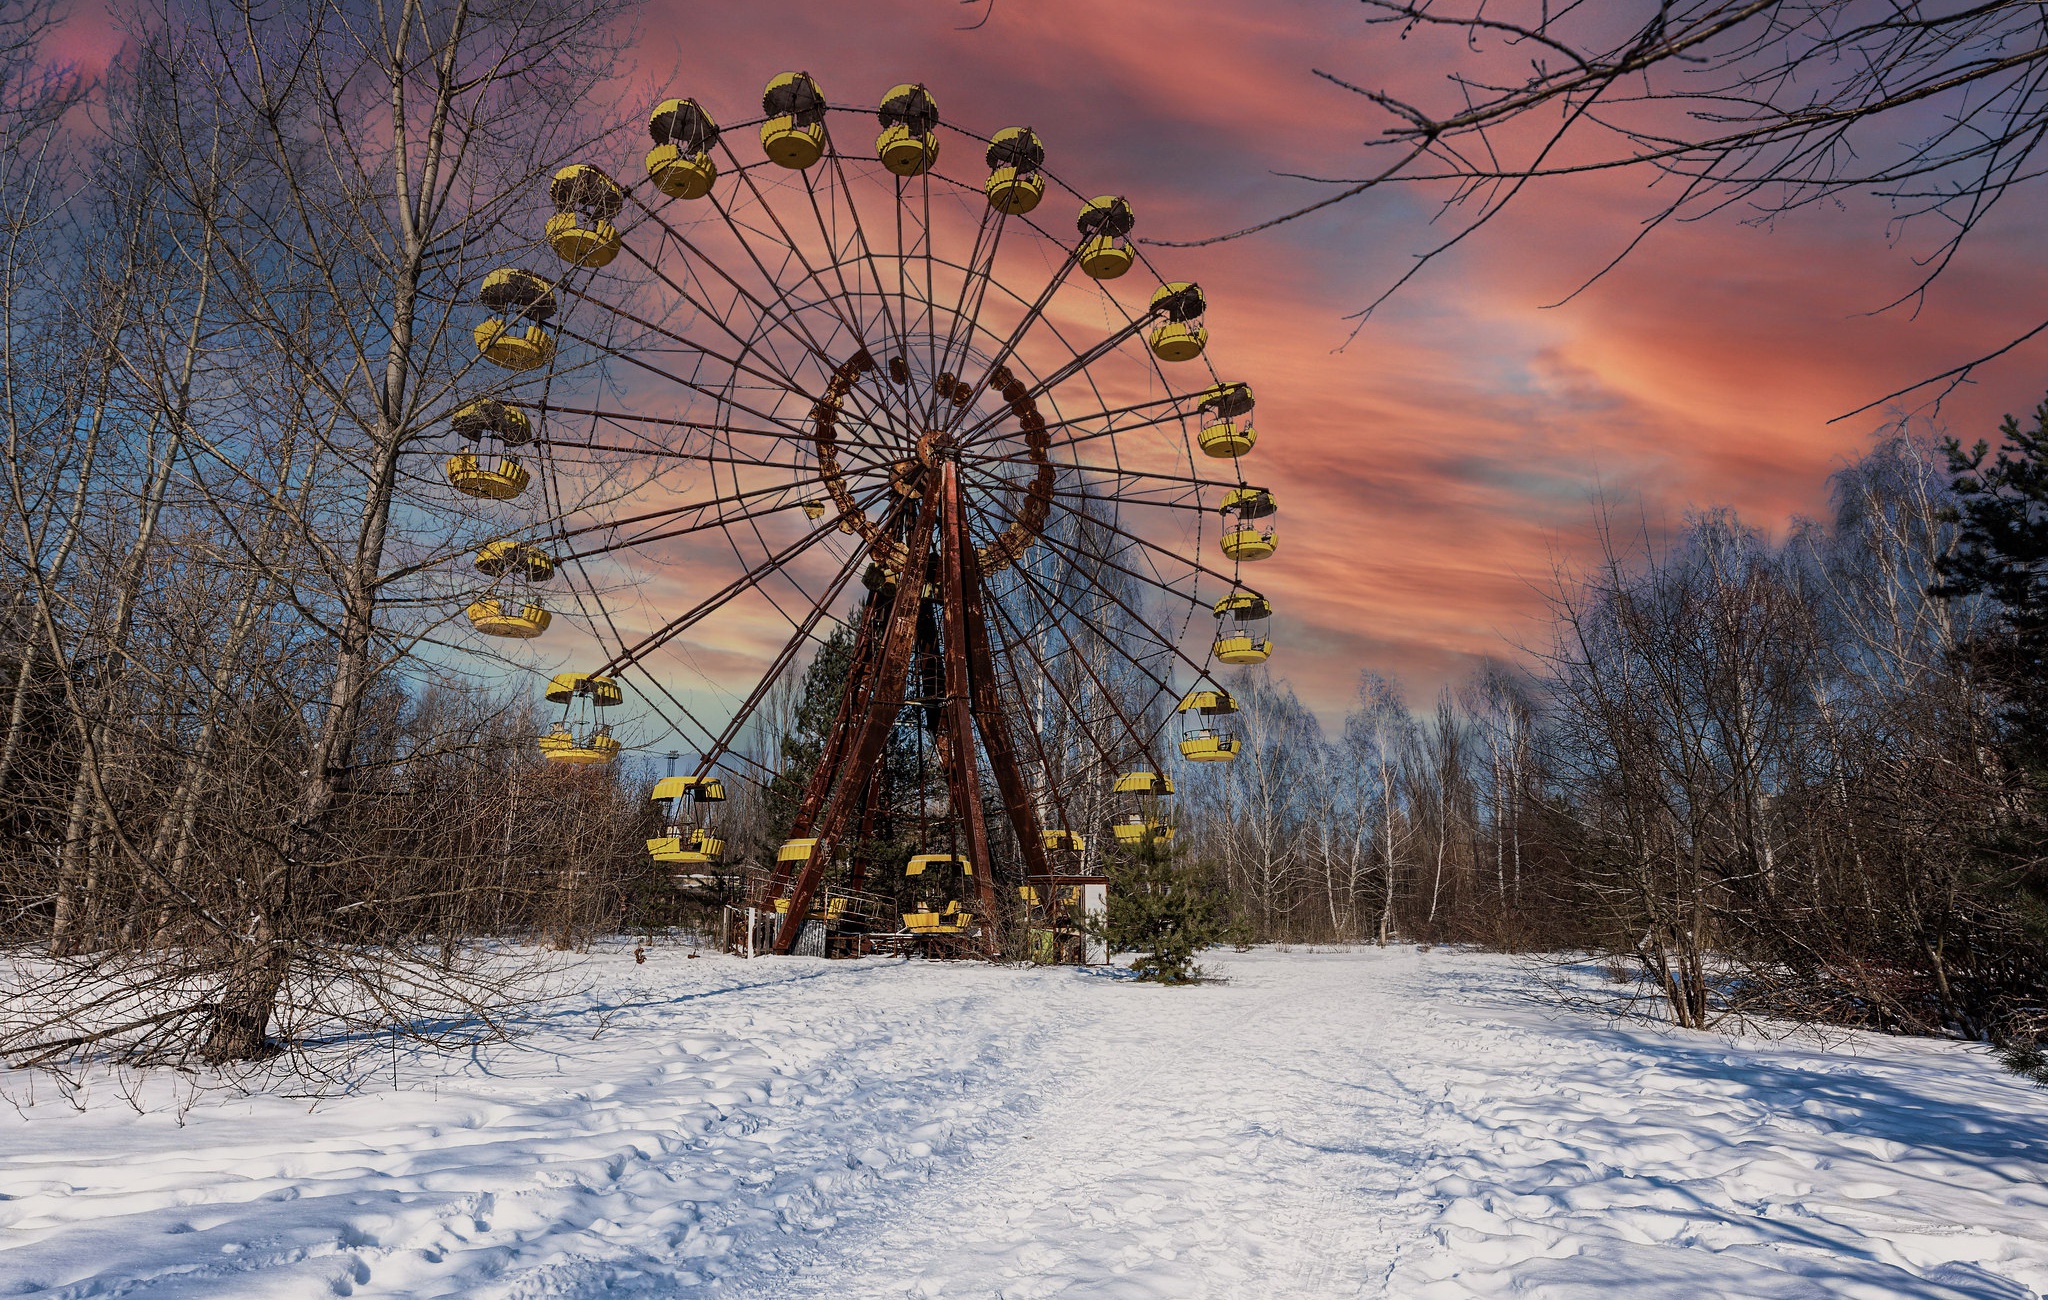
[
  {"x": 737, "y": 365},
  {"x": 1155, "y": 548},
  {"x": 832, "y": 305},
  {"x": 1051, "y": 679},
  {"x": 716, "y": 601},
  {"x": 667, "y": 512},
  {"x": 724, "y": 398},
  {"x": 755, "y": 346},
  {"x": 1104, "y": 589},
  {"x": 980, "y": 271},
  {"x": 1098, "y": 522},
  {"x": 1109, "y": 696},
  {"x": 700, "y": 526},
  {"x": 802, "y": 636},
  {"x": 1032, "y": 315},
  {"x": 765, "y": 313},
  {"x": 867, "y": 257},
  {"x": 1195, "y": 506},
  {"x": 1079, "y": 364},
  {"x": 1115, "y": 471}
]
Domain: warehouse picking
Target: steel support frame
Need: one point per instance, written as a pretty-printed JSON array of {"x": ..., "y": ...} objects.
[{"x": 847, "y": 774}]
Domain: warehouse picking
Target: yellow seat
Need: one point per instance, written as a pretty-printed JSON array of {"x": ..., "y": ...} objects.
[
  {"x": 1227, "y": 429},
  {"x": 1241, "y": 622},
  {"x": 521, "y": 559},
  {"x": 1207, "y": 747},
  {"x": 1016, "y": 194},
  {"x": 1240, "y": 649},
  {"x": 1132, "y": 831},
  {"x": 500, "y": 480},
  {"x": 1227, "y": 439},
  {"x": 603, "y": 692},
  {"x": 1065, "y": 841},
  {"x": 669, "y": 848},
  {"x": 796, "y": 851},
  {"x": 1104, "y": 259},
  {"x": 485, "y": 415},
  {"x": 508, "y": 619},
  {"x": 508, "y": 347},
  {"x": 1179, "y": 341},
  {"x": 680, "y": 175},
  {"x": 1181, "y": 337},
  {"x": 1105, "y": 224},
  {"x": 1243, "y": 538},
  {"x": 592, "y": 245},
  {"x": 1143, "y": 783},
  {"x": 1246, "y": 542},
  {"x": 794, "y": 134},
  {"x": 792, "y": 144},
  {"x": 560, "y": 746},
  {"x": 680, "y": 163},
  {"x": 701, "y": 789},
  {"x": 909, "y": 142},
  {"x": 905, "y": 152}
]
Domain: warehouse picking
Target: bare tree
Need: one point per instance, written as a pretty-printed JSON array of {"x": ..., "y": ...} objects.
[{"x": 1759, "y": 106}]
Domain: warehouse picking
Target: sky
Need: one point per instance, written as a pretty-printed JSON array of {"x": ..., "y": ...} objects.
[{"x": 1435, "y": 467}]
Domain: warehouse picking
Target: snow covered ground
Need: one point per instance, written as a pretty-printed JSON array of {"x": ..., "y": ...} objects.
[{"x": 1324, "y": 1124}]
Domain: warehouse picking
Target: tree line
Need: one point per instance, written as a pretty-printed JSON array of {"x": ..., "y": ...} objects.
[{"x": 1797, "y": 778}]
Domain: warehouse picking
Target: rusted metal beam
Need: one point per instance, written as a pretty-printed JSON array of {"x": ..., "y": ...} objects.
[
  {"x": 988, "y": 717},
  {"x": 883, "y": 702},
  {"x": 962, "y": 774}
]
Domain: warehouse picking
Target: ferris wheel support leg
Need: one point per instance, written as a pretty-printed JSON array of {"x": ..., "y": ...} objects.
[
  {"x": 961, "y": 774},
  {"x": 882, "y": 703},
  {"x": 995, "y": 731}
]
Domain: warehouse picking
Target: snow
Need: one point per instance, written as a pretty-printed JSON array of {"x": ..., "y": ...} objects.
[{"x": 1379, "y": 1123}]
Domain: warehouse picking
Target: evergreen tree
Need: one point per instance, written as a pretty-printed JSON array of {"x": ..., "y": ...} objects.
[
  {"x": 2001, "y": 554},
  {"x": 804, "y": 744},
  {"x": 1163, "y": 908}
]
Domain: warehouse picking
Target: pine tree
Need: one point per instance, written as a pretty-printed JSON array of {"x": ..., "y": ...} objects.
[
  {"x": 2001, "y": 554},
  {"x": 1163, "y": 908}
]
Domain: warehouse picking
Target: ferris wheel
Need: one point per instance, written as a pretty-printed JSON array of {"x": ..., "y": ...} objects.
[{"x": 932, "y": 396}]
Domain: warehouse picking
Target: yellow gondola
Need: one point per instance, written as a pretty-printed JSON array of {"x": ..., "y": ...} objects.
[
  {"x": 480, "y": 473},
  {"x": 518, "y": 620},
  {"x": 1226, "y": 426},
  {"x": 498, "y": 479},
  {"x": 689, "y": 839},
  {"x": 565, "y": 688},
  {"x": 516, "y": 559},
  {"x": 516, "y": 295},
  {"x": 1015, "y": 184},
  {"x": 925, "y": 917},
  {"x": 1244, "y": 538},
  {"x": 1063, "y": 841},
  {"x": 579, "y": 738},
  {"x": 521, "y": 618},
  {"x": 1105, "y": 224},
  {"x": 1209, "y": 733},
  {"x": 1138, "y": 807},
  {"x": 909, "y": 142},
  {"x": 794, "y": 134},
  {"x": 563, "y": 746},
  {"x": 1181, "y": 337},
  {"x": 1242, "y": 628},
  {"x": 680, "y": 164},
  {"x": 581, "y": 231}
]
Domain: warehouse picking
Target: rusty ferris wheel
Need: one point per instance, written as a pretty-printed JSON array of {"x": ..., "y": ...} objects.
[{"x": 860, "y": 389}]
